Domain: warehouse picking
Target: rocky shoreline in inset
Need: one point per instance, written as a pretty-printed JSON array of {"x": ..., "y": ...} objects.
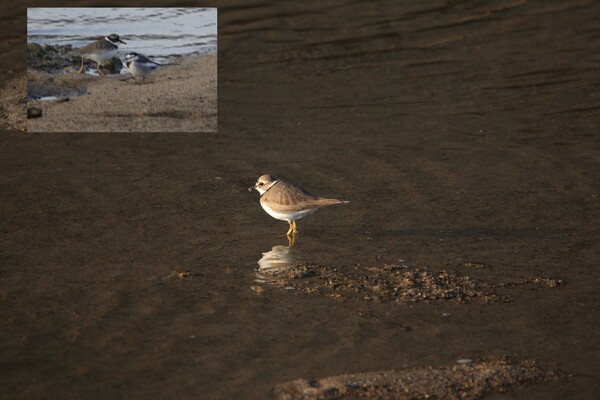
[{"x": 64, "y": 58}]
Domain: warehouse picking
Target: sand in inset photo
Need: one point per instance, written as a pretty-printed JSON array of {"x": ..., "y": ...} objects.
[{"x": 122, "y": 70}]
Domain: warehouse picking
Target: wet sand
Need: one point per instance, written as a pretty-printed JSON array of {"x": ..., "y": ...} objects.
[
  {"x": 13, "y": 102},
  {"x": 466, "y": 137},
  {"x": 467, "y": 381},
  {"x": 176, "y": 98}
]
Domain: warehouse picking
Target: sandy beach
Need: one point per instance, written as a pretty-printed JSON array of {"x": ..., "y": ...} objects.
[
  {"x": 465, "y": 266},
  {"x": 177, "y": 98}
]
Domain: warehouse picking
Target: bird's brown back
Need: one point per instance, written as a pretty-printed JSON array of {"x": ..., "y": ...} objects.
[{"x": 286, "y": 197}]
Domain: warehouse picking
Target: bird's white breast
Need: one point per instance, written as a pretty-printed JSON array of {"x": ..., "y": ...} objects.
[
  {"x": 292, "y": 216},
  {"x": 138, "y": 68},
  {"x": 135, "y": 69},
  {"x": 102, "y": 55}
]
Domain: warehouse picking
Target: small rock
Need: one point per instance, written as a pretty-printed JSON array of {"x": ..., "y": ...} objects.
[
  {"x": 258, "y": 289},
  {"x": 33, "y": 112}
]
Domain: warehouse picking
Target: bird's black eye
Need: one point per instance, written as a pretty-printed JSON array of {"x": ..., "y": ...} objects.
[{"x": 260, "y": 184}]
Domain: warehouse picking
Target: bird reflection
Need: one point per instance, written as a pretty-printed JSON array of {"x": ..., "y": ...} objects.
[{"x": 273, "y": 263}]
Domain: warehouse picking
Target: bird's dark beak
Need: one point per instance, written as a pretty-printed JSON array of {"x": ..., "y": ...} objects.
[
  {"x": 122, "y": 41},
  {"x": 251, "y": 188}
]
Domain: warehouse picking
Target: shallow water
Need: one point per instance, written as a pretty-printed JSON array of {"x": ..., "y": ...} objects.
[{"x": 160, "y": 32}]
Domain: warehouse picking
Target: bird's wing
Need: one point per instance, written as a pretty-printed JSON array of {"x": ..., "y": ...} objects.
[
  {"x": 291, "y": 197},
  {"x": 146, "y": 60}
]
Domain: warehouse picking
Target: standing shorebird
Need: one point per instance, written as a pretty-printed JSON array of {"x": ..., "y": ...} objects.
[
  {"x": 138, "y": 65},
  {"x": 288, "y": 202},
  {"x": 100, "y": 51}
]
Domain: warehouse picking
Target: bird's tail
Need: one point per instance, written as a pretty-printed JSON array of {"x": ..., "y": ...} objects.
[{"x": 328, "y": 202}]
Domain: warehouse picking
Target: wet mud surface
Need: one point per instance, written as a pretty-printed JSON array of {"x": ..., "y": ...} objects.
[{"x": 464, "y": 134}]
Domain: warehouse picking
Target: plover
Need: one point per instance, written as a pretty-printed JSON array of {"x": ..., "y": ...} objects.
[
  {"x": 100, "y": 51},
  {"x": 139, "y": 65},
  {"x": 288, "y": 202}
]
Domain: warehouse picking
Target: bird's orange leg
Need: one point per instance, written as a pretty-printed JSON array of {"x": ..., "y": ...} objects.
[
  {"x": 291, "y": 240},
  {"x": 99, "y": 70}
]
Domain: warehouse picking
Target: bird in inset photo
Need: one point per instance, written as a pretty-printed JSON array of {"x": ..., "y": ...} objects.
[
  {"x": 100, "y": 51},
  {"x": 139, "y": 65}
]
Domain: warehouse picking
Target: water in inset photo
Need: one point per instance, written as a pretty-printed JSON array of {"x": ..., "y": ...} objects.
[{"x": 122, "y": 69}]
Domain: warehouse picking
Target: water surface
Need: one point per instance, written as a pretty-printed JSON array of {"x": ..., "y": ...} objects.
[{"x": 160, "y": 32}]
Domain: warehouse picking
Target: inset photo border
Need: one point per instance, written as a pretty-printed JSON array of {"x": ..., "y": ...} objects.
[{"x": 122, "y": 69}]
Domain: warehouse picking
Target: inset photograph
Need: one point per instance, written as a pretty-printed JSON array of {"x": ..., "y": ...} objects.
[{"x": 122, "y": 69}]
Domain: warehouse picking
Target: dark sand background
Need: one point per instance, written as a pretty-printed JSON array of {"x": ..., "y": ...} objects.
[{"x": 460, "y": 132}]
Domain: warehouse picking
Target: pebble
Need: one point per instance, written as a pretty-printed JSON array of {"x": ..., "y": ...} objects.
[
  {"x": 33, "y": 112},
  {"x": 257, "y": 289}
]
